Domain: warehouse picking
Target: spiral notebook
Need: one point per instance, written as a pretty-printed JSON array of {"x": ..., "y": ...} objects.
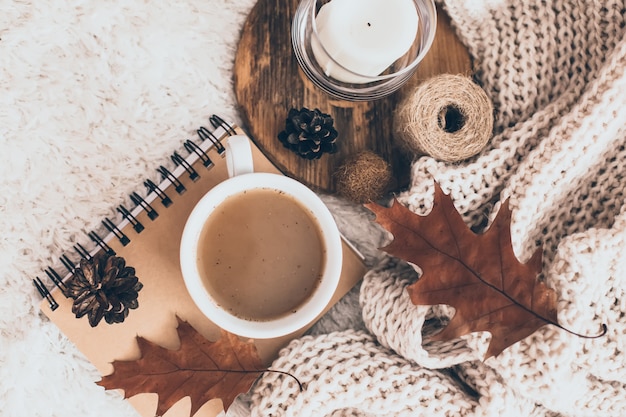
[{"x": 148, "y": 238}]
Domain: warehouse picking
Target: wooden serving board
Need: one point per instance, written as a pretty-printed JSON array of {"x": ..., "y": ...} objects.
[{"x": 268, "y": 82}]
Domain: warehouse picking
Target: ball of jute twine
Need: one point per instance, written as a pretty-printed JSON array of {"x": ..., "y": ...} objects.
[{"x": 448, "y": 117}]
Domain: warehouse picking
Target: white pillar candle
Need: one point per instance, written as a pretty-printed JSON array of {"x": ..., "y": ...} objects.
[{"x": 363, "y": 36}]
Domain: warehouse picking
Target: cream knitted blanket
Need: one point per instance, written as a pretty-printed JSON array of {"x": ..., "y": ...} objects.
[{"x": 556, "y": 73}]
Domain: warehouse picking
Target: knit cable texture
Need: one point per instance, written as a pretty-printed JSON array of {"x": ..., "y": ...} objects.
[
  {"x": 347, "y": 374},
  {"x": 556, "y": 73}
]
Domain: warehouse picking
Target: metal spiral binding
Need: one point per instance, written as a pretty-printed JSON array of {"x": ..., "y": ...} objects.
[
  {"x": 217, "y": 121},
  {"x": 57, "y": 280},
  {"x": 153, "y": 188},
  {"x": 179, "y": 160},
  {"x": 205, "y": 134},
  {"x": 69, "y": 265},
  {"x": 111, "y": 227},
  {"x": 166, "y": 173},
  {"x": 45, "y": 293},
  {"x": 192, "y": 148},
  {"x": 140, "y": 201},
  {"x": 98, "y": 241},
  {"x": 82, "y": 251},
  {"x": 137, "y": 226}
]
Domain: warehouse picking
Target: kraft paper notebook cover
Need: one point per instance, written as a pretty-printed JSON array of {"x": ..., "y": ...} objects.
[{"x": 153, "y": 252}]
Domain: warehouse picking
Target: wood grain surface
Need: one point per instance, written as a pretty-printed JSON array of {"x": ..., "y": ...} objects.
[{"x": 268, "y": 82}]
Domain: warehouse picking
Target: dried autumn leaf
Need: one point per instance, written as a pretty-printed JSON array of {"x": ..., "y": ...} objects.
[
  {"x": 478, "y": 275},
  {"x": 200, "y": 369}
]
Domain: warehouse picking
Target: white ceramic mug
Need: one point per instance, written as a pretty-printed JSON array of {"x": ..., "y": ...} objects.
[{"x": 242, "y": 177}]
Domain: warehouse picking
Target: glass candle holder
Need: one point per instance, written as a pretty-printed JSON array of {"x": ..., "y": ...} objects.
[{"x": 362, "y": 50}]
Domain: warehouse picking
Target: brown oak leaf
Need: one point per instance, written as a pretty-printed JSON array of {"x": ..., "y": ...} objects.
[
  {"x": 200, "y": 369},
  {"x": 477, "y": 274}
]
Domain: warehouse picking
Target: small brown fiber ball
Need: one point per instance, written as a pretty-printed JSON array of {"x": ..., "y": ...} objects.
[{"x": 364, "y": 177}]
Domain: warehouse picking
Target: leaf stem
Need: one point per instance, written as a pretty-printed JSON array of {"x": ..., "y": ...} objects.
[
  {"x": 240, "y": 371},
  {"x": 534, "y": 313},
  {"x": 288, "y": 374}
]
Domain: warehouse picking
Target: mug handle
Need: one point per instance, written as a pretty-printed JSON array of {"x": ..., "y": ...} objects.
[{"x": 239, "y": 156}]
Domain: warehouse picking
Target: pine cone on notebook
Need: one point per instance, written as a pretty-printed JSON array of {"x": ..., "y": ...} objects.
[
  {"x": 309, "y": 133},
  {"x": 104, "y": 287}
]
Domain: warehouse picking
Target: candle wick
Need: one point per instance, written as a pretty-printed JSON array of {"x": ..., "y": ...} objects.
[{"x": 369, "y": 24}]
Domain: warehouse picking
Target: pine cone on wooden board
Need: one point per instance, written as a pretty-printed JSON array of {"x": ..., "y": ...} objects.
[{"x": 309, "y": 133}]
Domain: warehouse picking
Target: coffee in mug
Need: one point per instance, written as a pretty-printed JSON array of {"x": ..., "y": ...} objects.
[{"x": 260, "y": 254}]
